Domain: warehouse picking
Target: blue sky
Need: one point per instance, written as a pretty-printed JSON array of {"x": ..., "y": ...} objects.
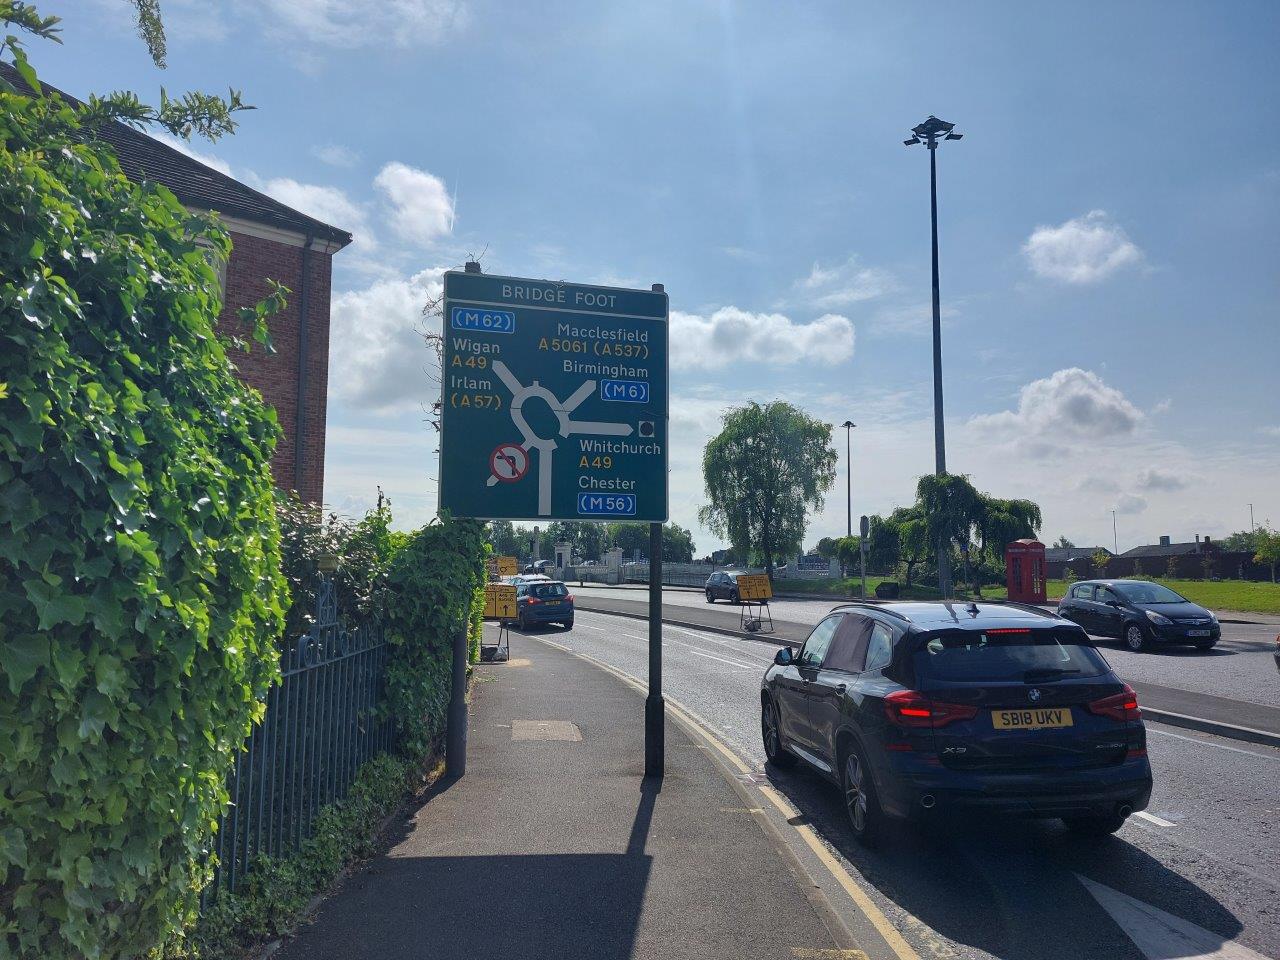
[{"x": 1109, "y": 225}]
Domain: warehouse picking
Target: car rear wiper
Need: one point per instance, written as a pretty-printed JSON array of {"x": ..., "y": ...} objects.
[{"x": 1047, "y": 673}]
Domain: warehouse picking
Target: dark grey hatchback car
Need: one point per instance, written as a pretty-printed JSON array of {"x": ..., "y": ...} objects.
[
  {"x": 1140, "y": 613},
  {"x": 918, "y": 708}
]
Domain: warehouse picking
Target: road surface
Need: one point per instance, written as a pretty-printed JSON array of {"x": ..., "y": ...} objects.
[
  {"x": 1207, "y": 854},
  {"x": 1240, "y": 667}
]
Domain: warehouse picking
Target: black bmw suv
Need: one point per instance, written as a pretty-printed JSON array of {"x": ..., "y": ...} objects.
[{"x": 917, "y": 708}]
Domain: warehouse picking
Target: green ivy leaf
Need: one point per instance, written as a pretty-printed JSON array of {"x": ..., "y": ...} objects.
[{"x": 22, "y": 656}]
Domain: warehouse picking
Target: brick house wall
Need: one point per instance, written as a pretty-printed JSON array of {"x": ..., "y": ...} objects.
[{"x": 278, "y": 376}]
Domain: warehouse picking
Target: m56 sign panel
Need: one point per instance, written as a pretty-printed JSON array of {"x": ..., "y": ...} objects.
[{"x": 554, "y": 400}]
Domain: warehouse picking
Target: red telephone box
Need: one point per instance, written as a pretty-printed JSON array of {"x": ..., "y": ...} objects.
[{"x": 1024, "y": 571}]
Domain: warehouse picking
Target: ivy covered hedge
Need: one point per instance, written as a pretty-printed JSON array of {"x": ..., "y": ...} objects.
[
  {"x": 140, "y": 589},
  {"x": 435, "y": 582}
]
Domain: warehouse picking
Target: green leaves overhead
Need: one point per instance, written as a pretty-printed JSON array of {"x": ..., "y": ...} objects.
[{"x": 140, "y": 594}]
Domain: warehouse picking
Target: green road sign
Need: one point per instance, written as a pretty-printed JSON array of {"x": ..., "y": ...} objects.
[{"x": 554, "y": 400}]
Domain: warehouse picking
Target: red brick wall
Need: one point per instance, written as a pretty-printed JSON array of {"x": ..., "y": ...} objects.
[{"x": 253, "y": 262}]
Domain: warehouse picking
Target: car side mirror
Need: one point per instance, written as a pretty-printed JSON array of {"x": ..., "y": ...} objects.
[
  {"x": 783, "y": 657},
  {"x": 1114, "y": 603}
]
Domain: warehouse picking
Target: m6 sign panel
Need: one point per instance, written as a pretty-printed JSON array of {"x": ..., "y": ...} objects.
[{"x": 554, "y": 400}]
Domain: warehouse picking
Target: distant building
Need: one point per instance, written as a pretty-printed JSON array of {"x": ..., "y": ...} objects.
[
  {"x": 271, "y": 241},
  {"x": 1068, "y": 554},
  {"x": 1167, "y": 549}
]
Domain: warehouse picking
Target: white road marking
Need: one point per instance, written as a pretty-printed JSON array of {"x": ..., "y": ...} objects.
[
  {"x": 1152, "y": 818},
  {"x": 1211, "y": 743},
  {"x": 732, "y": 663},
  {"x": 1161, "y": 935}
]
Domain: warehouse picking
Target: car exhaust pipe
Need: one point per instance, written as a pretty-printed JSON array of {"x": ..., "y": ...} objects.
[
  {"x": 1123, "y": 810},
  {"x": 928, "y": 801}
]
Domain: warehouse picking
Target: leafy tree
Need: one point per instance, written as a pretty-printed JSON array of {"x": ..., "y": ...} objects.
[
  {"x": 1100, "y": 561},
  {"x": 847, "y": 552},
  {"x": 503, "y": 538},
  {"x": 826, "y": 547},
  {"x": 1062, "y": 543},
  {"x": 768, "y": 465},
  {"x": 1268, "y": 549},
  {"x": 951, "y": 507},
  {"x": 1242, "y": 541},
  {"x": 677, "y": 542},
  {"x": 1000, "y": 522}
]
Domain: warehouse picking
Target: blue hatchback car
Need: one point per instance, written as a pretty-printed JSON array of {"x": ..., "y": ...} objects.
[
  {"x": 544, "y": 601},
  {"x": 919, "y": 708}
]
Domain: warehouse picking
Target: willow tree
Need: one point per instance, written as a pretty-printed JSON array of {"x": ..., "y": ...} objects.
[{"x": 769, "y": 465}]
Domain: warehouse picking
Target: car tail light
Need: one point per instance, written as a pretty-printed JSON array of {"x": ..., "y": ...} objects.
[
  {"x": 999, "y": 630},
  {"x": 907, "y": 708},
  {"x": 568, "y": 598},
  {"x": 1118, "y": 706},
  {"x": 533, "y": 600}
]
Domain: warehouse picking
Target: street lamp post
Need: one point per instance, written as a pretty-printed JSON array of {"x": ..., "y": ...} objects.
[
  {"x": 930, "y": 133},
  {"x": 1115, "y": 536},
  {"x": 848, "y": 477}
]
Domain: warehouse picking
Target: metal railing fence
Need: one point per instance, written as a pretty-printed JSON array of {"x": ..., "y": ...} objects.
[{"x": 322, "y": 722}]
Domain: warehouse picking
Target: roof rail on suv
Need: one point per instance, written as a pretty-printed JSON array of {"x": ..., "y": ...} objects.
[
  {"x": 868, "y": 605},
  {"x": 1028, "y": 607}
]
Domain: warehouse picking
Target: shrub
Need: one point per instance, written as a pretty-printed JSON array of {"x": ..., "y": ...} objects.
[
  {"x": 437, "y": 583},
  {"x": 140, "y": 594},
  {"x": 1070, "y": 575}
]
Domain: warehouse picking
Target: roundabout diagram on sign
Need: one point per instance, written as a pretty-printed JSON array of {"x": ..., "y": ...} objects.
[{"x": 508, "y": 463}]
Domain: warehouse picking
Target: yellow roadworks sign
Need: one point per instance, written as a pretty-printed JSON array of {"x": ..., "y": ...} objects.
[
  {"x": 500, "y": 601},
  {"x": 754, "y": 586},
  {"x": 502, "y": 567}
]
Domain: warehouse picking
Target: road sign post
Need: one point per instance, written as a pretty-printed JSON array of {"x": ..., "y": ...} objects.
[
  {"x": 654, "y": 706},
  {"x": 554, "y": 406},
  {"x": 864, "y": 527}
]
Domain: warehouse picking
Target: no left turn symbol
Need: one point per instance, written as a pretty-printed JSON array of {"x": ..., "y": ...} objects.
[{"x": 509, "y": 462}]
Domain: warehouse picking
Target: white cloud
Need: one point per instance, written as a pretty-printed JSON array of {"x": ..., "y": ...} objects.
[
  {"x": 1071, "y": 404},
  {"x": 1270, "y": 431},
  {"x": 378, "y": 360},
  {"x": 421, "y": 208},
  {"x": 844, "y": 284},
  {"x": 731, "y": 335},
  {"x": 1160, "y": 480},
  {"x": 336, "y": 155},
  {"x": 344, "y": 23},
  {"x": 328, "y": 204},
  {"x": 1083, "y": 250}
]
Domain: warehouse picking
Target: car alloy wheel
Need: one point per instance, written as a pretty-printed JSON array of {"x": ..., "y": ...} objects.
[
  {"x": 733, "y": 596},
  {"x": 772, "y": 739},
  {"x": 1135, "y": 638},
  {"x": 710, "y": 597},
  {"x": 855, "y": 794}
]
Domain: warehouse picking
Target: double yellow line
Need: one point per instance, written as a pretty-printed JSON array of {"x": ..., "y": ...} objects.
[{"x": 839, "y": 873}]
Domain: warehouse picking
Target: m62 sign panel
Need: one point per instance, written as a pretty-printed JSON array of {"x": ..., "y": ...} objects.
[{"x": 554, "y": 400}]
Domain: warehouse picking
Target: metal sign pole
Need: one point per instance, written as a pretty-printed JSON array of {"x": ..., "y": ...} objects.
[{"x": 654, "y": 706}]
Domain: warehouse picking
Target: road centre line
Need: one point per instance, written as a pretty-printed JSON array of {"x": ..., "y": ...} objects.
[
  {"x": 1210, "y": 743},
  {"x": 732, "y": 663}
]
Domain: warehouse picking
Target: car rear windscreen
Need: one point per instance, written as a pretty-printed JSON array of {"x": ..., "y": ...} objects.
[
  {"x": 548, "y": 591},
  {"x": 1004, "y": 656}
]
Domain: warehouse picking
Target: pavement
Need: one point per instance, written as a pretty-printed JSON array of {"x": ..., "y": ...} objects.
[
  {"x": 554, "y": 844},
  {"x": 1197, "y": 874},
  {"x": 1176, "y": 685}
]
